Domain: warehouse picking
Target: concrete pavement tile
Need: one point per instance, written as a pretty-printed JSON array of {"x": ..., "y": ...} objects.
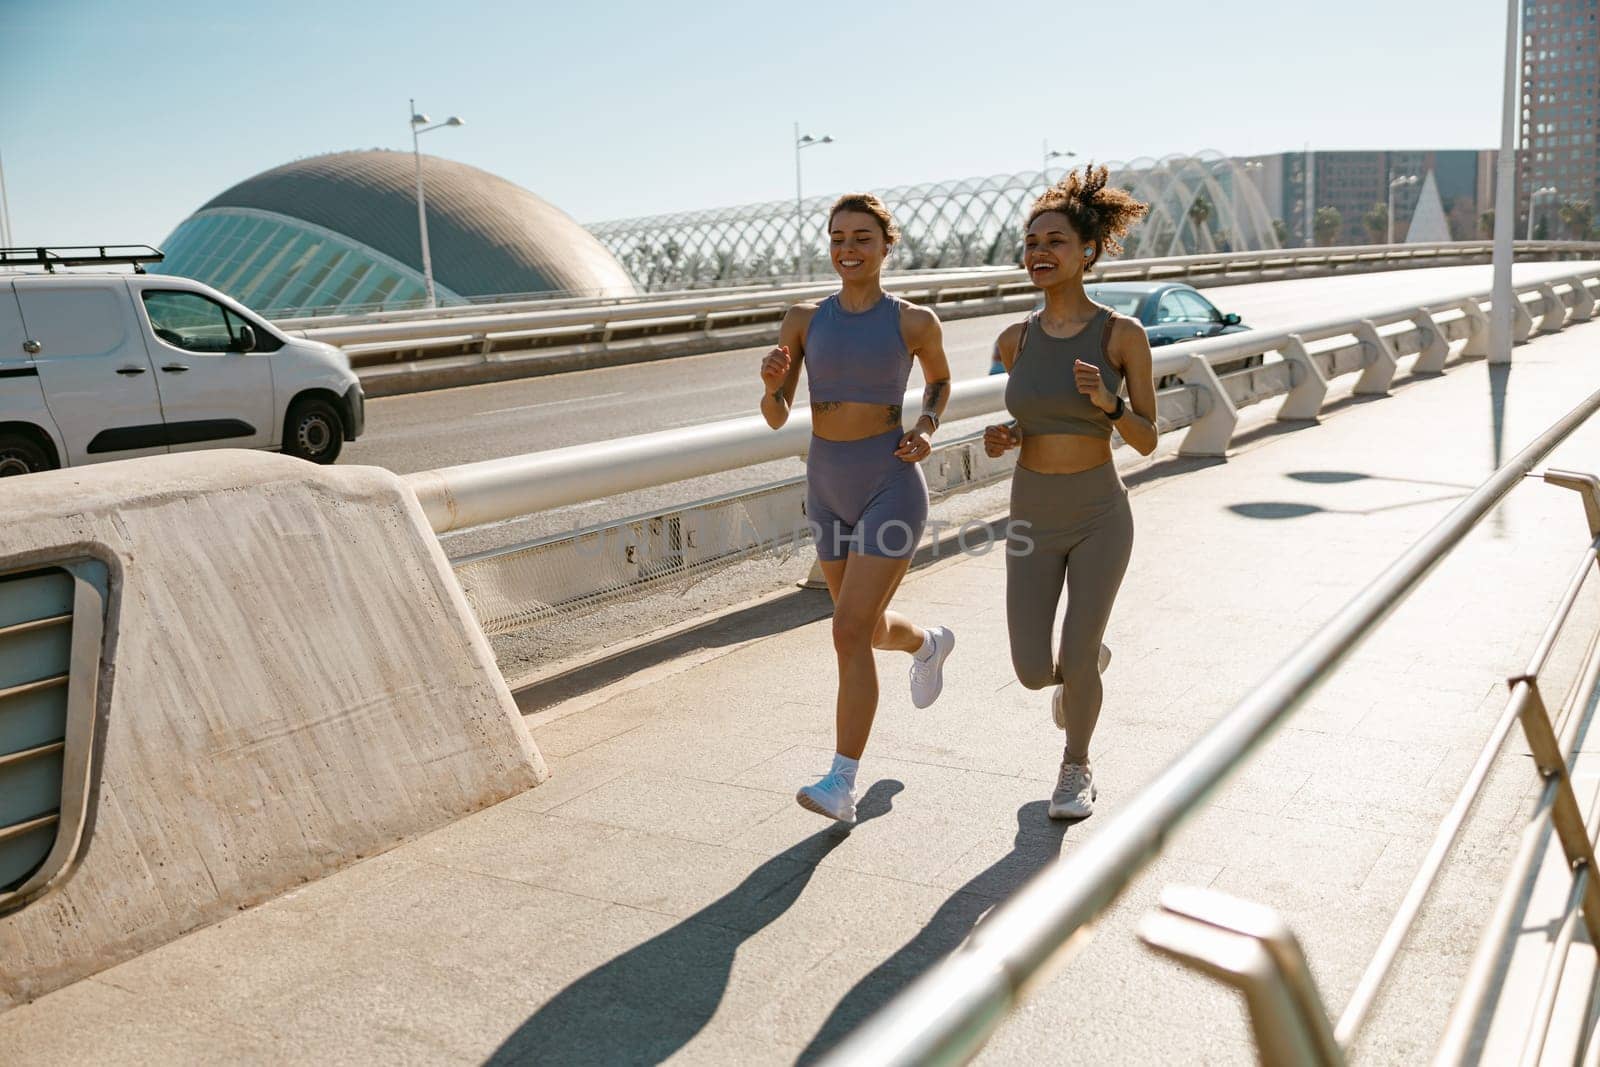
[
  {"x": 472, "y": 920},
  {"x": 683, "y": 878},
  {"x": 1040, "y": 1033},
  {"x": 1393, "y": 806},
  {"x": 572, "y": 734},
  {"x": 711, "y": 812},
  {"x": 570, "y": 777},
  {"x": 1262, "y": 788},
  {"x": 91, "y": 1022},
  {"x": 1363, "y": 758},
  {"x": 512, "y": 842},
  {"x": 1275, "y": 845},
  {"x": 682, "y": 745}
]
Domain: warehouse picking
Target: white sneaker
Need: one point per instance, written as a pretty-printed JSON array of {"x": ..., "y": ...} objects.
[
  {"x": 1058, "y": 699},
  {"x": 832, "y": 797},
  {"x": 1075, "y": 792},
  {"x": 927, "y": 675}
]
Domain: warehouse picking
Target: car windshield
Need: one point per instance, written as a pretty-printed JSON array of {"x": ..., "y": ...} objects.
[{"x": 1118, "y": 300}]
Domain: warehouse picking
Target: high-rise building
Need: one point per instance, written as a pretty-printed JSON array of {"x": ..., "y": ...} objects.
[{"x": 1560, "y": 110}]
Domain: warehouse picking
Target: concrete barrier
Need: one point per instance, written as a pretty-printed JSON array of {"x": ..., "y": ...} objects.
[{"x": 291, "y": 679}]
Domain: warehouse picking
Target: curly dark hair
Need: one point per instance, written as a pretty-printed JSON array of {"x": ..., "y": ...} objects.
[
  {"x": 872, "y": 206},
  {"x": 1099, "y": 215}
]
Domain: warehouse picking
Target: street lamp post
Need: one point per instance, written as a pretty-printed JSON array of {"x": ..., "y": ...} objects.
[
  {"x": 1048, "y": 156},
  {"x": 5, "y": 211},
  {"x": 1406, "y": 179},
  {"x": 1505, "y": 197},
  {"x": 1533, "y": 204},
  {"x": 419, "y": 126},
  {"x": 800, "y": 142}
]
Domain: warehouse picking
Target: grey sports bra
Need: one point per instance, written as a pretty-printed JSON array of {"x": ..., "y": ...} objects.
[
  {"x": 1043, "y": 392},
  {"x": 858, "y": 356}
]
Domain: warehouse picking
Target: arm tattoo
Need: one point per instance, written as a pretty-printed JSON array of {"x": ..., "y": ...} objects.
[
  {"x": 825, "y": 405},
  {"x": 894, "y": 414},
  {"x": 933, "y": 395}
]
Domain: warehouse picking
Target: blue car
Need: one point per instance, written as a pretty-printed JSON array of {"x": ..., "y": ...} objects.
[{"x": 1170, "y": 312}]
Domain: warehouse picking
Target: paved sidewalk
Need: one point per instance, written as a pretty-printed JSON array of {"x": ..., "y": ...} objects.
[{"x": 662, "y": 895}]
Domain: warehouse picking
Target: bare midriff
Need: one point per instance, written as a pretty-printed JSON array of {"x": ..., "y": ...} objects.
[
  {"x": 1063, "y": 453},
  {"x": 852, "y": 420}
]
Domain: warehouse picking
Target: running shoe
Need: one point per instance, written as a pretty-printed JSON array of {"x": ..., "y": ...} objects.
[
  {"x": 1075, "y": 792},
  {"x": 832, "y": 797},
  {"x": 927, "y": 675}
]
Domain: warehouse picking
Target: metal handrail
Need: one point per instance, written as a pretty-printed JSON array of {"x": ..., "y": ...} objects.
[
  {"x": 493, "y": 490},
  {"x": 482, "y": 321},
  {"x": 946, "y": 1015}
]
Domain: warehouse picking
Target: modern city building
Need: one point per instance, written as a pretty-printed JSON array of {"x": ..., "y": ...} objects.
[
  {"x": 1560, "y": 113},
  {"x": 340, "y": 231},
  {"x": 1355, "y": 182}
]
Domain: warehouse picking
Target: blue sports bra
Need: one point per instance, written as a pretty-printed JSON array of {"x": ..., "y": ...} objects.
[{"x": 857, "y": 356}]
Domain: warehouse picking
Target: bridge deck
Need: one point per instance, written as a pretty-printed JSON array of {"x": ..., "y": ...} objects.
[{"x": 663, "y": 895}]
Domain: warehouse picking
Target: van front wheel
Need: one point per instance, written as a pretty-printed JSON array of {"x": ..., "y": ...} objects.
[
  {"x": 314, "y": 430},
  {"x": 21, "y": 454}
]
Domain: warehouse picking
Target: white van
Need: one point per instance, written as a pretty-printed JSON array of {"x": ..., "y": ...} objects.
[{"x": 106, "y": 366}]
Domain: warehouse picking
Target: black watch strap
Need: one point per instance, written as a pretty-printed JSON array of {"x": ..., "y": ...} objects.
[{"x": 1121, "y": 409}]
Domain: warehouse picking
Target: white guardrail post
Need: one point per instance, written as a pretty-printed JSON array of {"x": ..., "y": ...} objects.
[
  {"x": 1381, "y": 363},
  {"x": 1211, "y": 431},
  {"x": 1435, "y": 347},
  {"x": 1555, "y": 312},
  {"x": 1310, "y": 388},
  {"x": 1582, "y": 299}
]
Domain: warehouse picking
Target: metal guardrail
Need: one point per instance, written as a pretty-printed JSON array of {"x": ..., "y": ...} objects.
[
  {"x": 493, "y": 490},
  {"x": 946, "y": 1015},
  {"x": 485, "y": 330}
]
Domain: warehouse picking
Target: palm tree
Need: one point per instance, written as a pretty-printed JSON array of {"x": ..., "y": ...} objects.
[
  {"x": 1577, "y": 219},
  {"x": 1377, "y": 223},
  {"x": 1280, "y": 230},
  {"x": 1328, "y": 225},
  {"x": 1486, "y": 224},
  {"x": 1199, "y": 212}
]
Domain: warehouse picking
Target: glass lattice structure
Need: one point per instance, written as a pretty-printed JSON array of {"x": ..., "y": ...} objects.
[
  {"x": 1198, "y": 204},
  {"x": 277, "y": 264}
]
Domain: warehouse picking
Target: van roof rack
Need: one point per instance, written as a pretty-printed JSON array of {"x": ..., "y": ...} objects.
[{"x": 81, "y": 256}]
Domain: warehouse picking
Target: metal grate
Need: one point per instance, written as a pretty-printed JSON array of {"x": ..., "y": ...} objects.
[{"x": 51, "y": 621}]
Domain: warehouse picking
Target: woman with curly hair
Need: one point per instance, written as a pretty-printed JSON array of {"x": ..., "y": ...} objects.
[
  {"x": 1070, "y": 521},
  {"x": 866, "y": 498}
]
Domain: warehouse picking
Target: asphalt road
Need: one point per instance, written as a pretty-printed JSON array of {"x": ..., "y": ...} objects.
[{"x": 421, "y": 431}]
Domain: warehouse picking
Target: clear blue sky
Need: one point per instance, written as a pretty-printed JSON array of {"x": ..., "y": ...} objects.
[{"x": 117, "y": 119}]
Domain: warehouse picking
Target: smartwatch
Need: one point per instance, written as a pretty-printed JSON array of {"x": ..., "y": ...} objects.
[{"x": 1120, "y": 410}]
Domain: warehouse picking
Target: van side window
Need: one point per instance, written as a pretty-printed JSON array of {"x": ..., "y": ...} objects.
[{"x": 198, "y": 324}]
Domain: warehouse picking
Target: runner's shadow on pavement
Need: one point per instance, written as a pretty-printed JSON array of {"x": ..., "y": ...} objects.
[
  {"x": 1037, "y": 845},
  {"x": 646, "y": 1004}
]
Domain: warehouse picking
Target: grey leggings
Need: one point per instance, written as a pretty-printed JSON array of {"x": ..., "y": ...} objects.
[{"x": 1078, "y": 528}]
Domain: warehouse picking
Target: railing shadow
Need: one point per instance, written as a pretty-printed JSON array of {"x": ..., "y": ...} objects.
[
  {"x": 646, "y": 1004},
  {"x": 1037, "y": 845}
]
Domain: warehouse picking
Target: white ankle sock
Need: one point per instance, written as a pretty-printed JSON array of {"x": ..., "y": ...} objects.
[
  {"x": 846, "y": 768},
  {"x": 928, "y": 646}
]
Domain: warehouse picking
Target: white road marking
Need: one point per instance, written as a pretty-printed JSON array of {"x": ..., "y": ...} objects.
[{"x": 552, "y": 403}]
